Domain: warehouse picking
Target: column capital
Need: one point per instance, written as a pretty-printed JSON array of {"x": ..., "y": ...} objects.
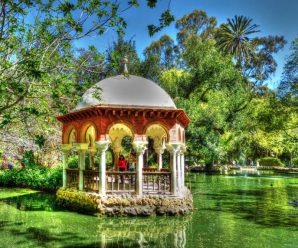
[
  {"x": 140, "y": 146},
  {"x": 183, "y": 148},
  {"x": 92, "y": 149},
  {"x": 102, "y": 145},
  {"x": 173, "y": 147},
  {"x": 116, "y": 149},
  {"x": 104, "y": 137},
  {"x": 81, "y": 146},
  {"x": 65, "y": 148},
  {"x": 140, "y": 138},
  {"x": 159, "y": 150}
]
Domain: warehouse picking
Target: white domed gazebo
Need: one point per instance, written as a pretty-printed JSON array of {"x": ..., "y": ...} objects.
[{"x": 128, "y": 106}]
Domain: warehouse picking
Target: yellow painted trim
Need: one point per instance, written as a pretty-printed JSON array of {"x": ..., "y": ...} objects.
[
  {"x": 81, "y": 146},
  {"x": 65, "y": 147}
]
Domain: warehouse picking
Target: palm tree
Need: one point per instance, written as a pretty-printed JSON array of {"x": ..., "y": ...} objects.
[{"x": 233, "y": 38}]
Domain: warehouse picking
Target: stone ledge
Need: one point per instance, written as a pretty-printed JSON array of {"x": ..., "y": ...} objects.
[{"x": 124, "y": 204}]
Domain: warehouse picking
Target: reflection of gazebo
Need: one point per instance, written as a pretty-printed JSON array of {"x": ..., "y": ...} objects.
[{"x": 128, "y": 106}]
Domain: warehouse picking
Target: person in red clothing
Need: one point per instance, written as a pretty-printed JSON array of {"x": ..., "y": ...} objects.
[{"x": 122, "y": 163}]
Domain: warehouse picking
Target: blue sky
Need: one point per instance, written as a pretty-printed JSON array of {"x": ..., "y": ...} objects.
[{"x": 274, "y": 17}]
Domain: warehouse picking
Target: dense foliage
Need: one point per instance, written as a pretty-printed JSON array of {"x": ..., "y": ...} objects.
[
  {"x": 76, "y": 201},
  {"x": 269, "y": 161},
  {"x": 234, "y": 115},
  {"x": 35, "y": 178},
  {"x": 295, "y": 162}
]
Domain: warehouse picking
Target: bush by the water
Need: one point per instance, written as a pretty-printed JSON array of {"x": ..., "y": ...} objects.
[
  {"x": 41, "y": 178},
  {"x": 270, "y": 161},
  {"x": 76, "y": 201},
  {"x": 295, "y": 162}
]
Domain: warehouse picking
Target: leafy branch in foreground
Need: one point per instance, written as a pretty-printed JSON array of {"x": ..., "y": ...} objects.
[{"x": 37, "y": 54}]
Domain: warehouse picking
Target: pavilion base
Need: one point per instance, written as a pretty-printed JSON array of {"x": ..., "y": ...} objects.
[{"x": 125, "y": 204}]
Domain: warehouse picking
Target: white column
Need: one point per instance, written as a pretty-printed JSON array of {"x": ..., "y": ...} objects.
[
  {"x": 65, "y": 166},
  {"x": 140, "y": 148},
  {"x": 116, "y": 158},
  {"x": 182, "y": 171},
  {"x": 159, "y": 152},
  {"x": 159, "y": 160},
  {"x": 178, "y": 172},
  {"x": 66, "y": 149},
  {"x": 102, "y": 147},
  {"x": 81, "y": 148},
  {"x": 182, "y": 151},
  {"x": 173, "y": 149},
  {"x": 116, "y": 147},
  {"x": 174, "y": 174},
  {"x": 82, "y": 154},
  {"x": 92, "y": 152}
]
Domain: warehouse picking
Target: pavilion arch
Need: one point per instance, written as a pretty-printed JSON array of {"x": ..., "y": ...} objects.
[
  {"x": 119, "y": 124},
  {"x": 88, "y": 130},
  {"x": 158, "y": 133},
  {"x": 70, "y": 135},
  {"x": 90, "y": 136},
  {"x": 117, "y": 131}
]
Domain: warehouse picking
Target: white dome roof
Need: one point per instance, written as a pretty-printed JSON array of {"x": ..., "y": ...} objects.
[{"x": 127, "y": 91}]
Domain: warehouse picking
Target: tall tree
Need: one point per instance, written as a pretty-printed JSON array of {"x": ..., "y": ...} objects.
[
  {"x": 115, "y": 55},
  {"x": 36, "y": 43},
  {"x": 212, "y": 91},
  {"x": 288, "y": 88},
  {"x": 150, "y": 68},
  {"x": 165, "y": 50},
  {"x": 234, "y": 38},
  {"x": 195, "y": 23},
  {"x": 252, "y": 55},
  {"x": 42, "y": 73},
  {"x": 36, "y": 50},
  {"x": 288, "y": 93},
  {"x": 262, "y": 64}
]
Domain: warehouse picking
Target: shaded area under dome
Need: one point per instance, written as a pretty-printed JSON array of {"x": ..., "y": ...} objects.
[{"x": 126, "y": 91}]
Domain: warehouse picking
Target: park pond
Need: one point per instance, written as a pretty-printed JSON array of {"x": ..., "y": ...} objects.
[{"x": 232, "y": 210}]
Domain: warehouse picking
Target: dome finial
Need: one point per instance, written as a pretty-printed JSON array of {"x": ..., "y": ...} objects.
[{"x": 125, "y": 61}]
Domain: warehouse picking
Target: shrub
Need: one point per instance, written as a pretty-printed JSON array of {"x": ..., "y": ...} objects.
[
  {"x": 35, "y": 178},
  {"x": 76, "y": 201},
  {"x": 154, "y": 165},
  {"x": 29, "y": 159},
  {"x": 270, "y": 161},
  {"x": 295, "y": 162},
  {"x": 201, "y": 162}
]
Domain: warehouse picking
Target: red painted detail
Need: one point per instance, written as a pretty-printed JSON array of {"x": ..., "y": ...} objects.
[{"x": 103, "y": 117}]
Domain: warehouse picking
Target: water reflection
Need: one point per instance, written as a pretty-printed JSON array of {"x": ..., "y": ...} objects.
[
  {"x": 34, "y": 220},
  {"x": 261, "y": 198},
  {"x": 234, "y": 210},
  {"x": 144, "y": 232},
  {"x": 36, "y": 201}
]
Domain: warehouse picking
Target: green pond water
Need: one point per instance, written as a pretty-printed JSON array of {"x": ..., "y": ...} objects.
[{"x": 234, "y": 210}]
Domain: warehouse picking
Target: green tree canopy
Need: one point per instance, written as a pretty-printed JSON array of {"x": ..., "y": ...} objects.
[
  {"x": 288, "y": 88},
  {"x": 234, "y": 38}
]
